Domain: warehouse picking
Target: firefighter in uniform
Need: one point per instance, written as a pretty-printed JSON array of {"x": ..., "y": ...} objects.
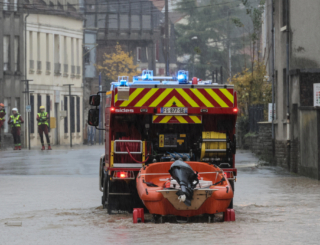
[
  {"x": 2, "y": 118},
  {"x": 15, "y": 122},
  {"x": 43, "y": 126}
]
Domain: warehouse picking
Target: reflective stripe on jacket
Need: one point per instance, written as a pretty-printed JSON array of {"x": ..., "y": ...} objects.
[
  {"x": 43, "y": 116},
  {"x": 2, "y": 114},
  {"x": 15, "y": 120}
]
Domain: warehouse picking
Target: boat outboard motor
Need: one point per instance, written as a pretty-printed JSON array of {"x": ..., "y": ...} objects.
[{"x": 186, "y": 178}]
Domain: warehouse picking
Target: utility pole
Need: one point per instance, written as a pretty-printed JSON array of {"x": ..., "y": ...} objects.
[
  {"x": 70, "y": 133},
  {"x": 27, "y": 91},
  {"x": 25, "y": 78},
  {"x": 167, "y": 36}
]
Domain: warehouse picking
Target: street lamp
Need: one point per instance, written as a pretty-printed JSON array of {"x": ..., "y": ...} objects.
[{"x": 193, "y": 39}]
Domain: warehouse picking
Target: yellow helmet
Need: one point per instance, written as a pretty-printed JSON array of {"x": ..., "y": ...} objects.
[{"x": 42, "y": 107}]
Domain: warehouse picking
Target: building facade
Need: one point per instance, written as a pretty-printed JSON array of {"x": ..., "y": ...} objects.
[
  {"x": 137, "y": 26},
  {"x": 11, "y": 64},
  {"x": 54, "y": 60},
  {"x": 296, "y": 125}
]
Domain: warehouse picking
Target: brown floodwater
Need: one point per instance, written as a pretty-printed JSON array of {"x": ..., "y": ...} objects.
[{"x": 56, "y": 197}]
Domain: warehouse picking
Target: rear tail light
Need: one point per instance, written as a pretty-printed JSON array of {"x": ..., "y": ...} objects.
[
  {"x": 229, "y": 175},
  {"x": 112, "y": 109},
  {"x": 123, "y": 175},
  {"x": 235, "y": 110}
]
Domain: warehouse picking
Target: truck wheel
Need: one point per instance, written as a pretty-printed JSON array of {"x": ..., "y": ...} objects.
[
  {"x": 105, "y": 191},
  {"x": 231, "y": 203}
]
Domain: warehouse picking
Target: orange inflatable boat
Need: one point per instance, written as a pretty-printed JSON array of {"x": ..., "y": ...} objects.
[{"x": 163, "y": 195}]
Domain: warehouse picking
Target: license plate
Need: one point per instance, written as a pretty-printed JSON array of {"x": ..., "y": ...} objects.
[{"x": 174, "y": 110}]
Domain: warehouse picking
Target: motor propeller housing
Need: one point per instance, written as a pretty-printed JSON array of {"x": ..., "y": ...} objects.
[{"x": 187, "y": 179}]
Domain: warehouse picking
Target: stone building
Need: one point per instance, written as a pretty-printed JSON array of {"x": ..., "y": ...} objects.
[
  {"x": 11, "y": 63},
  {"x": 297, "y": 131},
  {"x": 54, "y": 60},
  {"x": 136, "y": 25}
]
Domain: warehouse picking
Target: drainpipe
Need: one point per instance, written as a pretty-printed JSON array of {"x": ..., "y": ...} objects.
[
  {"x": 272, "y": 67},
  {"x": 287, "y": 85}
]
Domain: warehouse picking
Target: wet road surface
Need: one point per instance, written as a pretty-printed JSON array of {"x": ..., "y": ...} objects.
[{"x": 55, "y": 195}]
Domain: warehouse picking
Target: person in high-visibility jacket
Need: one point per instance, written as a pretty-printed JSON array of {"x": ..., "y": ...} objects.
[
  {"x": 15, "y": 122},
  {"x": 2, "y": 118},
  {"x": 43, "y": 126}
]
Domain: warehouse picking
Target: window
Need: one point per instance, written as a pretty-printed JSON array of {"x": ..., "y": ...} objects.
[
  {"x": 56, "y": 49},
  {"x": 72, "y": 52},
  {"x": 138, "y": 53},
  {"x": 16, "y": 53},
  {"x": 17, "y": 104},
  {"x": 86, "y": 52},
  {"x": 30, "y": 45},
  {"x": 77, "y": 51},
  {"x": 66, "y": 118},
  {"x": 39, "y": 102},
  {"x": 7, "y": 107},
  {"x": 157, "y": 51},
  {"x": 6, "y": 52},
  {"x": 284, "y": 93},
  {"x": 47, "y": 48},
  {"x": 38, "y": 52},
  {"x": 284, "y": 12},
  {"x": 72, "y": 115},
  {"x": 65, "y": 50},
  {"x": 78, "y": 114},
  {"x": 15, "y": 5},
  {"x": 32, "y": 117},
  {"x": 48, "y": 108},
  {"x": 5, "y": 4}
]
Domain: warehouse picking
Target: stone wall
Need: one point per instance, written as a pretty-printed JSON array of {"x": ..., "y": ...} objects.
[{"x": 261, "y": 143}]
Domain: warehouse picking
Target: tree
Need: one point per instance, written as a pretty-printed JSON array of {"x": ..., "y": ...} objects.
[
  {"x": 207, "y": 34},
  {"x": 118, "y": 63},
  {"x": 252, "y": 87}
]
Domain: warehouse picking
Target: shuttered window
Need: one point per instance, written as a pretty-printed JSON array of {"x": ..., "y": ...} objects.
[
  {"x": 66, "y": 118},
  {"x": 48, "y": 108},
  {"x": 72, "y": 115},
  {"x": 78, "y": 114},
  {"x": 32, "y": 116},
  {"x": 39, "y": 102}
]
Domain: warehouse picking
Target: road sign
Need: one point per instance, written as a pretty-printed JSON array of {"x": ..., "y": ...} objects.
[
  {"x": 270, "y": 112},
  {"x": 316, "y": 94},
  {"x": 28, "y": 108}
]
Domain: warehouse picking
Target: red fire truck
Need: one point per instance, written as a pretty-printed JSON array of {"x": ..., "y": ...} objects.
[{"x": 161, "y": 119}]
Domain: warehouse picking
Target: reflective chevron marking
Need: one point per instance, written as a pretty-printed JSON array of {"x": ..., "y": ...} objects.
[
  {"x": 186, "y": 97},
  {"x": 177, "y": 119}
]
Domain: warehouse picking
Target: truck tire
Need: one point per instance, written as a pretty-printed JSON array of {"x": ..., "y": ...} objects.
[
  {"x": 105, "y": 191},
  {"x": 232, "y": 186}
]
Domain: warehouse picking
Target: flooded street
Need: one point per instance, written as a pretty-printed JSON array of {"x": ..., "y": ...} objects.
[{"x": 55, "y": 195}]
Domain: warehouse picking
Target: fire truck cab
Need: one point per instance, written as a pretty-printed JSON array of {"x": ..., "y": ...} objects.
[{"x": 160, "y": 119}]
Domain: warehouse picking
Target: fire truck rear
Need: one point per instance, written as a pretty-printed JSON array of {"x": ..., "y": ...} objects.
[{"x": 161, "y": 119}]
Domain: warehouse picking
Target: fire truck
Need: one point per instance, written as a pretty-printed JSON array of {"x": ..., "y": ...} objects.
[{"x": 154, "y": 119}]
